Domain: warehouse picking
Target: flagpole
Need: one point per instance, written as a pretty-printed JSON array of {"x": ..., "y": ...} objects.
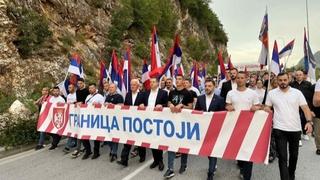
[
  {"x": 286, "y": 61},
  {"x": 307, "y": 12}
]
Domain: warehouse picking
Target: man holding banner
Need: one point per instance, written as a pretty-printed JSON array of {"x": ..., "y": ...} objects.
[
  {"x": 179, "y": 98},
  {"x": 94, "y": 98},
  {"x": 133, "y": 98},
  {"x": 210, "y": 102},
  {"x": 243, "y": 98},
  {"x": 157, "y": 98}
]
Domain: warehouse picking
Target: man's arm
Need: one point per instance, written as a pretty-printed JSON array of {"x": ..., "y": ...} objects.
[
  {"x": 308, "y": 115},
  {"x": 316, "y": 99}
]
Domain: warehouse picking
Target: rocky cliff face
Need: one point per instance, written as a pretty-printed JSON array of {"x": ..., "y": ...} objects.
[{"x": 77, "y": 26}]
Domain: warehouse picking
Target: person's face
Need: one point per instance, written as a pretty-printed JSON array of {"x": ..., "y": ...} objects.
[
  {"x": 154, "y": 83},
  {"x": 241, "y": 80},
  {"x": 92, "y": 89},
  {"x": 45, "y": 91},
  {"x": 71, "y": 88},
  {"x": 299, "y": 76},
  {"x": 259, "y": 84},
  {"x": 179, "y": 81},
  {"x": 163, "y": 84},
  {"x": 233, "y": 74},
  {"x": 265, "y": 77},
  {"x": 169, "y": 83},
  {"x": 252, "y": 82},
  {"x": 208, "y": 88},
  {"x": 106, "y": 86},
  {"x": 186, "y": 84},
  {"x": 81, "y": 84},
  {"x": 134, "y": 86},
  {"x": 56, "y": 92},
  {"x": 113, "y": 88},
  {"x": 283, "y": 81}
]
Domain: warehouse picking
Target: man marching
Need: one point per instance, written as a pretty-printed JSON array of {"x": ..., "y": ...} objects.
[{"x": 209, "y": 102}]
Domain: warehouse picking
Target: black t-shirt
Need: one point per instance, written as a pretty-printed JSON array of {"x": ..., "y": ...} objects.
[
  {"x": 193, "y": 94},
  {"x": 82, "y": 95},
  {"x": 180, "y": 97}
]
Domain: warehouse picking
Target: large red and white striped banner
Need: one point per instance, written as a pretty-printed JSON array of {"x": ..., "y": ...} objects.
[{"x": 238, "y": 135}]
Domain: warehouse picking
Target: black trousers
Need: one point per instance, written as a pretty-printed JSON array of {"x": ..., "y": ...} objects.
[
  {"x": 55, "y": 139},
  {"x": 126, "y": 151},
  {"x": 273, "y": 149},
  {"x": 283, "y": 139},
  {"x": 87, "y": 146},
  {"x": 157, "y": 155},
  {"x": 245, "y": 169}
]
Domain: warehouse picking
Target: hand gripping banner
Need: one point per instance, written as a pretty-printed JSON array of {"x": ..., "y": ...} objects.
[{"x": 238, "y": 135}]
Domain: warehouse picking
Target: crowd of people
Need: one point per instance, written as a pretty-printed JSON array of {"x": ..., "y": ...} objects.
[{"x": 292, "y": 99}]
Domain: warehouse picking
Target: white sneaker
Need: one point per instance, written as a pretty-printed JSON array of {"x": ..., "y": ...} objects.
[
  {"x": 306, "y": 137},
  {"x": 300, "y": 143}
]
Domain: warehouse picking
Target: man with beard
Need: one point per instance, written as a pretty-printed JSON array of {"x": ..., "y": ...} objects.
[
  {"x": 286, "y": 123},
  {"x": 209, "y": 102},
  {"x": 229, "y": 85}
]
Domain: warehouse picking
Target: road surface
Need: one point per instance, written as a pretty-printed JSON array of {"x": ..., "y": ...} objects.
[{"x": 56, "y": 165}]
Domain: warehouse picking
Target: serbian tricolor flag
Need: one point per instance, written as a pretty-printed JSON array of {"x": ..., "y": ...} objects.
[
  {"x": 145, "y": 76},
  {"x": 75, "y": 66},
  {"x": 221, "y": 65},
  {"x": 155, "y": 52},
  {"x": 115, "y": 70},
  {"x": 264, "y": 38},
  {"x": 309, "y": 60},
  {"x": 287, "y": 50},
  {"x": 230, "y": 65},
  {"x": 195, "y": 77},
  {"x": 104, "y": 74},
  {"x": 127, "y": 70},
  {"x": 275, "y": 64}
]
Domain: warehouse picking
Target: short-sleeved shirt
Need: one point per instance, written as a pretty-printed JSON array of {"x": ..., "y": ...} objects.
[
  {"x": 242, "y": 100},
  {"x": 55, "y": 100},
  {"x": 94, "y": 98},
  {"x": 286, "y": 108},
  {"x": 180, "y": 97}
]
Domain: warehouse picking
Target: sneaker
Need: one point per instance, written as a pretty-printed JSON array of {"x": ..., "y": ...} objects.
[
  {"x": 86, "y": 156},
  {"x": 66, "y": 150},
  {"x": 52, "y": 147},
  {"x": 178, "y": 155},
  {"x": 182, "y": 169},
  {"x": 38, "y": 147},
  {"x": 306, "y": 137},
  {"x": 95, "y": 156},
  {"x": 300, "y": 143},
  {"x": 271, "y": 159},
  {"x": 318, "y": 152},
  {"x": 169, "y": 174},
  {"x": 76, "y": 154}
]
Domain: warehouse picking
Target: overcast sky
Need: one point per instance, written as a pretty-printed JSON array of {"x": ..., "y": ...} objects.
[{"x": 242, "y": 21}]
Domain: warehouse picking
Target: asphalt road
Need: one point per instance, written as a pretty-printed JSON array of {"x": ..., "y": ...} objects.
[{"x": 56, "y": 165}]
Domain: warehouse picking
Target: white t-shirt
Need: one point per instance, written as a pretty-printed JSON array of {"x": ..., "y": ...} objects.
[
  {"x": 95, "y": 98},
  {"x": 71, "y": 98},
  {"x": 286, "y": 108},
  {"x": 242, "y": 100},
  {"x": 260, "y": 93},
  {"x": 55, "y": 100},
  {"x": 317, "y": 87}
]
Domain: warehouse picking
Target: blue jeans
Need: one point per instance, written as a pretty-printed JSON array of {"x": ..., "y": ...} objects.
[
  {"x": 113, "y": 148},
  {"x": 172, "y": 156},
  {"x": 212, "y": 164},
  {"x": 42, "y": 137},
  {"x": 71, "y": 143}
]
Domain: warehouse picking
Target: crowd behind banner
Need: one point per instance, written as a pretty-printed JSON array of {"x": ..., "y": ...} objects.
[{"x": 237, "y": 91}]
